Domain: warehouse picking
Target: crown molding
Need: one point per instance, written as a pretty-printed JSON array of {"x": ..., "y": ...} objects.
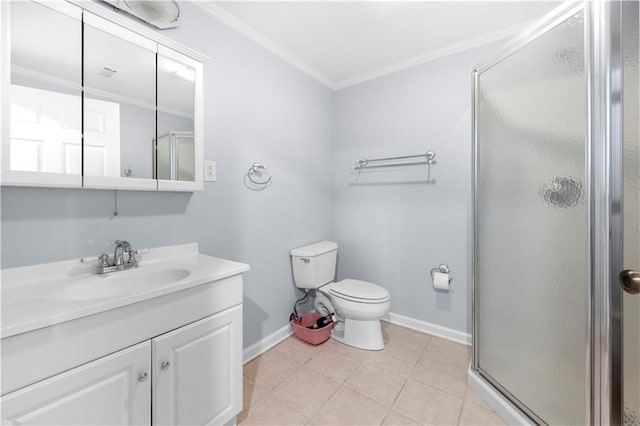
[
  {"x": 435, "y": 54},
  {"x": 238, "y": 25},
  {"x": 231, "y": 21}
]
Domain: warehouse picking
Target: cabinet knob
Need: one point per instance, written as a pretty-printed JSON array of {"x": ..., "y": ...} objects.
[
  {"x": 165, "y": 365},
  {"x": 142, "y": 377}
]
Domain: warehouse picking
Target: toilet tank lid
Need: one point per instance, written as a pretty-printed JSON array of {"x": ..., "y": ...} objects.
[{"x": 314, "y": 249}]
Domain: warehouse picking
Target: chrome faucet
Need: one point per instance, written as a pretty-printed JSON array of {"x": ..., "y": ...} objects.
[
  {"x": 118, "y": 254},
  {"x": 118, "y": 263}
]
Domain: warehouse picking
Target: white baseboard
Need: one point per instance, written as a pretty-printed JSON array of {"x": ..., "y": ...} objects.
[
  {"x": 266, "y": 343},
  {"x": 429, "y": 328},
  {"x": 509, "y": 413}
]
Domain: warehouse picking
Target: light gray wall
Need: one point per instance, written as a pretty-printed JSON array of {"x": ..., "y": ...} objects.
[
  {"x": 173, "y": 123},
  {"x": 137, "y": 130},
  {"x": 394, "y": 224},
  {"x": 257, "y": 108}
]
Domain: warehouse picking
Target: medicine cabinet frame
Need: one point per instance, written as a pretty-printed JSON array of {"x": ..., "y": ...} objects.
[{"x": 105, "y": 19}]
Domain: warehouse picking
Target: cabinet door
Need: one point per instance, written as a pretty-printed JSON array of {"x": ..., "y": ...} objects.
[
  {"x": 197, "y": 371},
  {"x": 108, "y": 391}
]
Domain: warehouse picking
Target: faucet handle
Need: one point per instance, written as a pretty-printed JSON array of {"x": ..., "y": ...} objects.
[
  {"x": 103, "y": 260},
  {"x": 133, "y": 253}
]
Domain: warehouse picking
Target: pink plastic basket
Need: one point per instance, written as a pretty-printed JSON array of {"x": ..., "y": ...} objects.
[{"x": 314, "y": 337}]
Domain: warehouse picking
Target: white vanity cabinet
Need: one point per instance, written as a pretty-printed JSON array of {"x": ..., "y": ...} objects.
[
  {"x": 111, "y": 390},
  {"x": 167, "y": 355},
  {"x": 192, "y": 375}
]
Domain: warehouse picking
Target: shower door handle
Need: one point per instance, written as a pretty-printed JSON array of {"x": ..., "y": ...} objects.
[{"x": 630, "y": 281}]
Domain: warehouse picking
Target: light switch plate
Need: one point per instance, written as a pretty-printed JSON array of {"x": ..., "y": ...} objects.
[{"x": 210, "y": 171}]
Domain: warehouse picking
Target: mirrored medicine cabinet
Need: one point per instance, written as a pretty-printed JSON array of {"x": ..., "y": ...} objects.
[{"x": 94, "y": 100}]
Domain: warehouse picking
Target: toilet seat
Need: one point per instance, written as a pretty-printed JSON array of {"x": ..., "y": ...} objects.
[{"x": 359, "y": 291}]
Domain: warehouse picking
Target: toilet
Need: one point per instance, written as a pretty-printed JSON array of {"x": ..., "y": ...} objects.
[{"x": 358, "y": 305}]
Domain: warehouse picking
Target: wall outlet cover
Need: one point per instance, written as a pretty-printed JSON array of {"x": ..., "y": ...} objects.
[{"x": 210, "y": 171}]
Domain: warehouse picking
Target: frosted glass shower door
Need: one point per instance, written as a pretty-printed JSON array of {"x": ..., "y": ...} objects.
[{"x": 531, "y": 232}]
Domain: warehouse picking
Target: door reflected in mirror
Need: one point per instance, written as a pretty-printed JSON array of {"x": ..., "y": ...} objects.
[
  {"x": 45, "y": 90},
  {"x": 119, "y": 106},
  {"x": 174, "y": 154}
]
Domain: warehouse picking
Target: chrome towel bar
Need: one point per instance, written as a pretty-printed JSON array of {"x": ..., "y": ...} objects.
[{"x": 363, "y": 163}]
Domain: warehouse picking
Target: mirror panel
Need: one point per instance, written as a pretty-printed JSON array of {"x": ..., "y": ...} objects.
[
  {"x": 119, "y": 102},
  {"x": 175, "y": 153},
  {"x": 45, "y": 92},
  {"x": 68, "y": 73}
]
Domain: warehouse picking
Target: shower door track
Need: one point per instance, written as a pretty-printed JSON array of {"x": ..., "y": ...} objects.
[{"x": 509, "y": 396}]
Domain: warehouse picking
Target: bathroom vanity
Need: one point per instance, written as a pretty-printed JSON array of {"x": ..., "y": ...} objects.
[{"x": 158, "y": 344}]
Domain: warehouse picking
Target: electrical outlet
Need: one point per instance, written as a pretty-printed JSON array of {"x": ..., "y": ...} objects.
[{"x": 210, "y": 171}]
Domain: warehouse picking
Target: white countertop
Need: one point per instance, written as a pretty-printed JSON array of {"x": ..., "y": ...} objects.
[{"x": 34, "y": 297}]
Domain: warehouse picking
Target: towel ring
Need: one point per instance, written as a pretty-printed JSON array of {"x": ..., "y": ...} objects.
[{"x": 256, "y": 171}]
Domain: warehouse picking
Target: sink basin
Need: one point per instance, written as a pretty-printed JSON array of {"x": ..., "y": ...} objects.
[
  {"x": 118, "y": 283},
  {"x": 39, "y": 296}
]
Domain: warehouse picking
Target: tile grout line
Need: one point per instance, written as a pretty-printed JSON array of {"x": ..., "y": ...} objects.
[
  {"x": 344, "y": 385},
  {"x": 297, "y": 366},
  {"x": 448, "y": 392},
  {"x": 399, "y": 393},
  {"x": 316, "y": 412},
  {"x": 263, "y": 400},
  {"x": 327, "y": 401},
  {"x": 369, "y": 398},
  {"x": 460, "y": 413},
  {"x": 375, "y": 400},
  {"x": 286, "y": 353},
  {"x": 293, "y": 408},
  {"x": 409, "y": 378}
]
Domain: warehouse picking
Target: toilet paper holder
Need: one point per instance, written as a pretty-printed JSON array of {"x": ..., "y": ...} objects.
[{"x": 444, "y": 268}]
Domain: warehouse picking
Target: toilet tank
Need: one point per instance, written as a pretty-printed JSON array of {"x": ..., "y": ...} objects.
[{"x": 314, "y": 265}]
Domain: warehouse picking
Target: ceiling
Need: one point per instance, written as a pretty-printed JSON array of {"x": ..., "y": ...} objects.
[{"x": 342, "y": 43}]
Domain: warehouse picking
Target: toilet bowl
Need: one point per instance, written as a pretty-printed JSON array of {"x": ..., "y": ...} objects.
[{"x": 358, "y": 305}]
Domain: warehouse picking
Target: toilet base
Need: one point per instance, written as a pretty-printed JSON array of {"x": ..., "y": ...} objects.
[{"x": 359, "y": 334}]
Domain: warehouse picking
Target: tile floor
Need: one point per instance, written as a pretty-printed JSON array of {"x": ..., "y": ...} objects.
[{"x": 417, "y": 379}]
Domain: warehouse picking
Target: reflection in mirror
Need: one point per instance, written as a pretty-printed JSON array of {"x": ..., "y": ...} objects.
[
  {"x": 119, "y": 106},
  {"x": 174, "y": 159},
  {"x": 174, "y": 152},
  {"x": 45, "y": 103}
]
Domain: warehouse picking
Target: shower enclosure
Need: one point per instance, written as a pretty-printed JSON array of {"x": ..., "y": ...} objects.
[{"x": 556, "y": 218}]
